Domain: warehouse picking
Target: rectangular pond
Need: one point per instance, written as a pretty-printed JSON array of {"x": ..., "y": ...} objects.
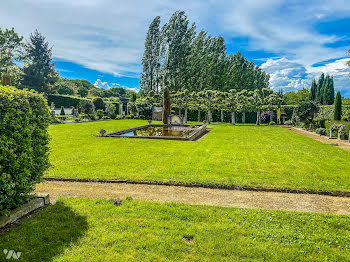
[{"x": 170, "y": 132}]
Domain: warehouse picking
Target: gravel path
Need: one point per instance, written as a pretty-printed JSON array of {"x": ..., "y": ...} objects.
[
  {"x": 344, "y": 144},
  {"x": 199, "y": 196}
]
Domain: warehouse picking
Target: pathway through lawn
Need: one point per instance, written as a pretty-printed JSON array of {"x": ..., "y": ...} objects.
[{"x": 199, "y": 196}]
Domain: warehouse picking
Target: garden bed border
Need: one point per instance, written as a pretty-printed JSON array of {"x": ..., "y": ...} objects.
[{"x": 25, "y": 209}]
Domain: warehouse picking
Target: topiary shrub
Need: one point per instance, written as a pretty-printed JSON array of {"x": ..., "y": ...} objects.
[
  {"x": 62, "y": 113},
  {"x": 321, "y": 131},
  {"x": 272, "y": 123},
  {"x": 24, "y": 122},
  {"x": 142, "y": 117},
  {"x": 99, "y": 113}
]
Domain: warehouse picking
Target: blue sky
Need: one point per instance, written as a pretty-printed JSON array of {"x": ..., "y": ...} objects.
[{"x": 102, "y": 40}]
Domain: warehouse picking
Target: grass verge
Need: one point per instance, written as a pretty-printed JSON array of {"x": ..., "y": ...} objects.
[{"x": 78, "y": 229}]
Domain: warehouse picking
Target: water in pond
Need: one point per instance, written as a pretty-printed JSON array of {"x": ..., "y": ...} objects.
[{"x": 178, "y": 131}]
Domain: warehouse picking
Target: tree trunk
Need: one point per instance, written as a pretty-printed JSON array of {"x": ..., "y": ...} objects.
[
  {"x": 179, "y": 111},
  {"x": 199, "y": 115},
  {"x": 271, "y": 116},
  {"x": 258, "y": 118},
  {"x": 243, "y": 117},
  {"x": 208, "y": 116},
  {"x": 185, "y": 117},
  {"x": 222, "y": 116},
  {"x": 233, "y": 118}
]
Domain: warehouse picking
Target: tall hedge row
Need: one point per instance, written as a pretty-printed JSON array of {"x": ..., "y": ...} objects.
[
  {"x": 24, "y": 122},
  {"x": 65, "y": 101}
]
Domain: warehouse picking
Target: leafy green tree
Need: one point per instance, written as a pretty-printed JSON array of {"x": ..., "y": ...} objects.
[
  {"x": 110, "y": 109},
  {"x": 306, "y": 110},
  {"x": 86, "y": 107},
  {"x": 98, "y": 103},
  {"x": 295, "y": 98},
  {"x": 233, "y": 104},
  {"x": 82, "y": 91},
  {"x": 10, "y": 50},
  {"x": 166, "y": 105},
  {"x": 338, "y": 107},
  {"x": 39, "y": 71},
  {"x": 151, "y": 58},
  {"x": 176, "y": 47}
]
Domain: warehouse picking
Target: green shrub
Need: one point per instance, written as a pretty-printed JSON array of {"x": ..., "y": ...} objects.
[
  {"x": 86, "y": 107},
  {"x": 62, "y": 113},
  {"x": 132, "y": 116},
  {"x": 345, "y": 119},
  {"x": 24, "y": 138},
  {"x": 142, "y": 117},
  {"x": 105, "y": 117},
  {"x": 321, "y": 131},
  {"x": 272, "y": 123},
  {"x": 288, "y": 122},
  {"x": 127, "y": 116},
  {"x": 113, "y": 116},
  {"x": 99, "y": 113}
]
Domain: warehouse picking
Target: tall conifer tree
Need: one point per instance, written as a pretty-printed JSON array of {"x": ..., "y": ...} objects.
[
  {"x": 150, "y": 76},
  {"x": 313, "y": 90},
  {"x": 319, "y": 90},
  {"x": 39, "y": 72},
  {"x": 338, "y": 107}
]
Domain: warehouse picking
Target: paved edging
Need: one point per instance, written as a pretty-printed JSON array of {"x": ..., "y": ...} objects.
[
  {"x": 196, "y": 185},
  {"x": 23, "y": 210}
]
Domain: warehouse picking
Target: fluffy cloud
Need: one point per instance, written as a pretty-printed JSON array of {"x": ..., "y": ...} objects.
[
  {"x": 108, "y": 35},
  {"x": 100, "y": 84},
  {"x": 291, "y": 76}
]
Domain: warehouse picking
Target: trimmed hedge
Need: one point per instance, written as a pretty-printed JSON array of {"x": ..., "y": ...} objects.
[
  {"x": 24, "y": 138},
  {"x": 327, "y": 112},
  {"x": 65, "y": 101}
]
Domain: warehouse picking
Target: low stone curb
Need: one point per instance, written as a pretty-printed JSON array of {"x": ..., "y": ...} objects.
[
  {"x": 25, "y": 209},
  {"x": 211, "y": 186}
]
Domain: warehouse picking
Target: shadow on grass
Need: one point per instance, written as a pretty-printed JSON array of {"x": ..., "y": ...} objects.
[{"x": 46, "y": 235}]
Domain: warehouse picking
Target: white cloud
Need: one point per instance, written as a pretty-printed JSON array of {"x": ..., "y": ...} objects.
[
  {"x": 108, "y": 35},
  {"x": 100, "y": 84},
  {"x": 291, "y": 76}
]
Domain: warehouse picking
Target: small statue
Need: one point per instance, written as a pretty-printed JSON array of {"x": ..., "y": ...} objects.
[
  {"x": 149, "y": 122},
  {"x": 53, "y": 113},
  {"x": 75, "y": 112},
  {"x": 341, "y": 132},
  {"x": 102, "y": 132}
]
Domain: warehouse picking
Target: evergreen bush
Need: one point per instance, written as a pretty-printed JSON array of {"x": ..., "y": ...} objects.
[
  {"x": 337, "y": 107},
  {"x": 24, "y": 122}
]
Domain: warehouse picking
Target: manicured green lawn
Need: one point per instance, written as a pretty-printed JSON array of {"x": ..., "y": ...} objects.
[
  {"x": 76, "y": 229},
  {"x": 268, "y": 156}
]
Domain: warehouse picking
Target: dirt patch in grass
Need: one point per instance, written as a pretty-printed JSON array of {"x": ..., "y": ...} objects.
[{"x": 199, "y": 196}]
